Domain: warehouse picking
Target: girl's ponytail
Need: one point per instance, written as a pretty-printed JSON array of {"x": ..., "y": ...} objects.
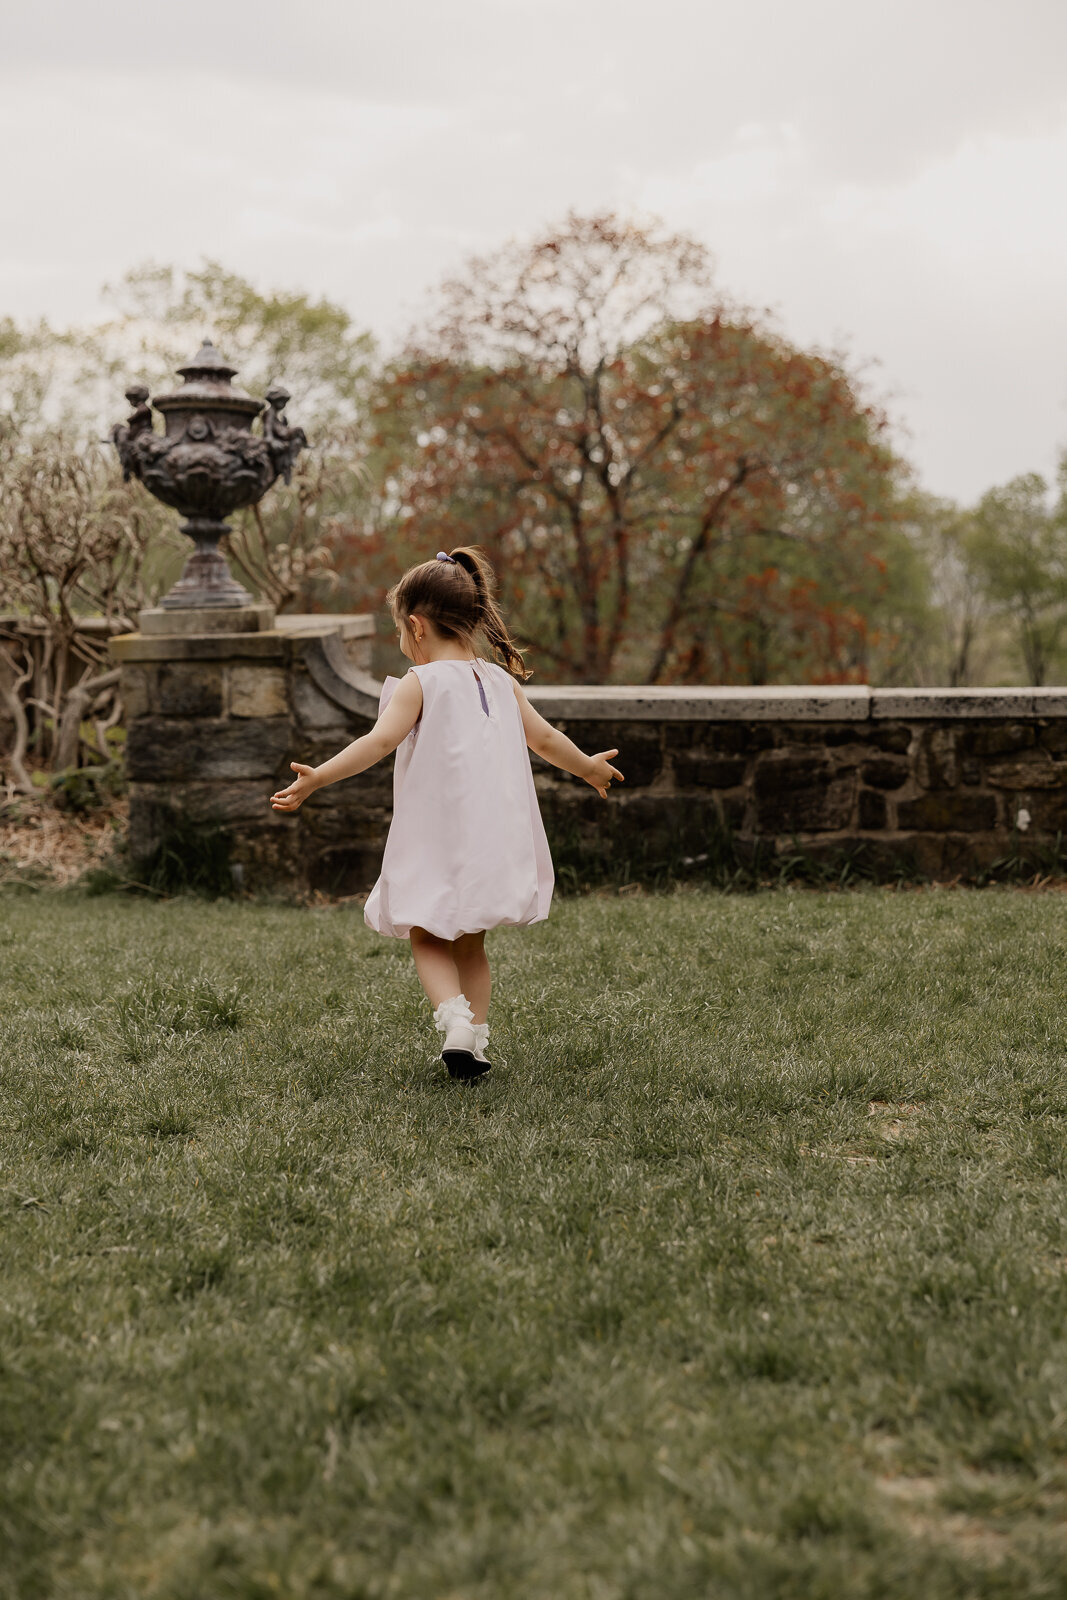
[{"x": 471, "y": 559}]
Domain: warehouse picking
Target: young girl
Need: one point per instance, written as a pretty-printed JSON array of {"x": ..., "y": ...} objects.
[{"x": 466, "y": 849}]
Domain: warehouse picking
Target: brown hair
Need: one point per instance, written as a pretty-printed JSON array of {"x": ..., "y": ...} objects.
[{"x": 457, "y": 597}]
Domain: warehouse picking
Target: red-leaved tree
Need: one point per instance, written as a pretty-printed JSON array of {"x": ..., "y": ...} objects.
[{"x": 669, "y": 490}]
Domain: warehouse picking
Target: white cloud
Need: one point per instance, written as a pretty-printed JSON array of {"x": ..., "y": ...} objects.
[
  {"x": 951, "y": 276},
  {"x": 890, "y": 177}
]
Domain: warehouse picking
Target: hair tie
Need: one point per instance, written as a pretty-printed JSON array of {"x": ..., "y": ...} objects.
[{"x": 442, "y": 555}]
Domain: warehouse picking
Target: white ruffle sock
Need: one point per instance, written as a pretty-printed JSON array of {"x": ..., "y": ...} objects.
[
  {"x": 481, "y": 1042},
  {"x": 455, "y": 1019}
]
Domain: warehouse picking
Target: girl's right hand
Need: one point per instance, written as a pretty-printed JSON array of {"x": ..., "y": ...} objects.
[
  {"x": 292, "y": 799},
  {"x": 601, "y": 772}
]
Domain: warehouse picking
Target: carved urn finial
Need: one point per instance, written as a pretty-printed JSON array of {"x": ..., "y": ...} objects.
[{"x": 207, "y": 464}]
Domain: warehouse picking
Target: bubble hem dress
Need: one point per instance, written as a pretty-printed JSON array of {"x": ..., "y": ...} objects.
[{"x": 467, "y": 848}]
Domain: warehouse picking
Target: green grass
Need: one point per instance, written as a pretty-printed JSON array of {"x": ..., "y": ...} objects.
[{"x": 744, "y": 1276}]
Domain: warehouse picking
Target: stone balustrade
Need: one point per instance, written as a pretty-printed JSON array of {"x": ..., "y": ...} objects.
[{"x": 936, "y": 781}]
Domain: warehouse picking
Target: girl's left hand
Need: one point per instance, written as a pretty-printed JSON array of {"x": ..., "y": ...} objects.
[
  {"x": 601, "y": 772},
  {"x": 292, "y": 799}
]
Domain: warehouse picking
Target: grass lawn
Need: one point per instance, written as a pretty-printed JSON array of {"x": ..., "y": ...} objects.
[{"x": 745, "y": 1275}]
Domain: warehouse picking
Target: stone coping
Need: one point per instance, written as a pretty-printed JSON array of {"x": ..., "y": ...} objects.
[
  {"x": 317, "y": 640},
  {"x": 793, "y": 703},
  {"x": 660, "y": 703},
  {"x": 191, "y": 621},
  {"x": 354, "y": 626},
  {"x": 1005, "y": 703},
  {"x": 273, "y": 644}
]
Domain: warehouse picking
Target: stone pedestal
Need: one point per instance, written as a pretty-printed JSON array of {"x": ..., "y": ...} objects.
[
  {"x": 215, "y": 714},
  {"x": 190, "y": 620}
]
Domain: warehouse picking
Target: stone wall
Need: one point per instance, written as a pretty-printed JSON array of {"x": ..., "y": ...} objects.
[{"x": 941, "y": 782}]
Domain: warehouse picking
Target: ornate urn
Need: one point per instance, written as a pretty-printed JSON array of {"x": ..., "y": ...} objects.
[{"x": 207, "y": 463}]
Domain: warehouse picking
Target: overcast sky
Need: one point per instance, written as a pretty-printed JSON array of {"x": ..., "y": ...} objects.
[{"x": 887, "y": 175}]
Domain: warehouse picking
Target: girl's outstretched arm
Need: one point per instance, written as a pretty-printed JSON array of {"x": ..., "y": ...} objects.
[
  {"x": 394, "y": 724},
  {"x": 551, "y": 745}
]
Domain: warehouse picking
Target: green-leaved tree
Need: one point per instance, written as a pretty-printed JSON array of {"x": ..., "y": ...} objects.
[{"x": 1018, "y": 547}]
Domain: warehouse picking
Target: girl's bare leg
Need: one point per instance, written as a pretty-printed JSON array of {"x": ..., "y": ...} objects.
[
  {"x": 436, "y": 965},
  {"x": 472, "y": 966}
]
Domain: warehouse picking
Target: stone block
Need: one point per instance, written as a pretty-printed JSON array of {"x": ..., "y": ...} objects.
[
  {"x": 653, "y": 833},
  {"x": 184, "y": 620},
  {"x": 162, "y": 751},
  {"x": 640, "y": 759},
  {"x": 330, "y": 825},
  {"x": 885, "y": 772},
  {"x": 872, "y": 810},
  {"x": 640, "y": 749},
  {"x": 137, "y": 684},
  {"x": 801, "y": 794},
  {"x": 936, "y": 763},
  {"x": 344, "y": 869},
  {"x": 1048, "y": 700},
  {"x": 661, "y": 703},
  {"x": 316, "y": 713},
  {"x": 1032, "y": 770},
  {"x": 257, "y": 691},
  {"x": 684, "y": 735},
  {"x": 940, "y": 704},
  {"x": 273, "y": 860},
  {"x": 731, "y": 809},
  {"x": 998, "y": 738},
  {"x": 353, "y": 796},
  {"x": 665, "y": 829},
  {"x": 200, "y": 647},
  {"x": 359, "y": 653},
  {"x": 947, "y": 809},
  {"x": 895, "y": 737},
  {"x": 141, "y": 830},
  {"x": 828, "y": 735},
  {"x": 927, "y": 852},
  {"x": 880, "y": 858},
  {"x": 727, "y": 738},
  {"x": 1048, "y": 812},
  {"x": 1053, "y": 736},
  {"x": 693, "y": 770},
  {"x": 225, "y": 802},
  {"x": 189, "y": 689},
  {"x": 964, "y": 854},
  {"x": 600, "y": 735},
  {"x": 346, "y": 625}
]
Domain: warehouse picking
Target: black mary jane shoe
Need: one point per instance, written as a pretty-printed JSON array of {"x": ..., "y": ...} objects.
[{"x": 464, "y": 1066}]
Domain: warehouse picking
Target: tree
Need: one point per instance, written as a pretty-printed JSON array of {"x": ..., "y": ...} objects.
[
  {"x": 286, "y": 548},
  {"x": 312, "y": 345},
  {"x": 936, "y": 607},
  {"x": 75, "y": 542},
  {"x": 667, "y": 492},
  {"x": 769, "y": 511},
  {"x": 1018, "y": 547}
]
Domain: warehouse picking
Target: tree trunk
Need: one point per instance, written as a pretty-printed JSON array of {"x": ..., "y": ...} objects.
[
  {"x": 17, "y": 756},
  {"x": 79, "y": 700}
]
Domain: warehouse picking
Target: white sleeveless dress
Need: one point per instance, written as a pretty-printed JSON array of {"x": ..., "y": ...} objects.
[{"x": 467, "y": 847}]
